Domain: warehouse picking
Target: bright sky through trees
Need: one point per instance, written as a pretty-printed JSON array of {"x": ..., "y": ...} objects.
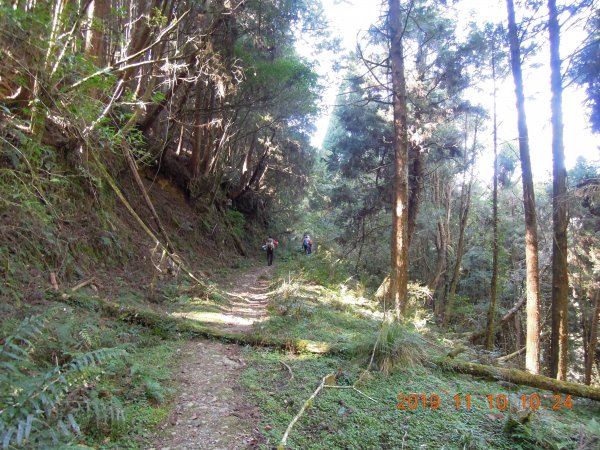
[{"x": 351, "y": 18}]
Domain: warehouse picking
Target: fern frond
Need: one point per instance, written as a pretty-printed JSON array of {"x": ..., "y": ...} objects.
[
  {"x": 20, "y": 340},
  {"x": 36, "y": 411},
  {"x": 105, "y": 413},
  {"x": 95, "y": 357},
  {"x": 86, "y": 337}
]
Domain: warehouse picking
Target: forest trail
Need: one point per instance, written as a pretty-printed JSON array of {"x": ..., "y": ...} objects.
[
  {"x": 210, "y": 412},
  {"x": 248, "y": 300}
]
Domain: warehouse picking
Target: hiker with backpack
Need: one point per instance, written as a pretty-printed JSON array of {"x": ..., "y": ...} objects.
[
  {"x": 307, "y": 244},
  {"x": 270, "y": 246}
]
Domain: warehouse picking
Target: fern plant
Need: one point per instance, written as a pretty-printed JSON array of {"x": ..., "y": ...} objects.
[{"x": 38, "y": 405}]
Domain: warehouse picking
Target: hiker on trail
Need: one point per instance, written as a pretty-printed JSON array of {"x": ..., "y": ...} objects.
[
  {"x": 307, "y": 244},
  {"x": 270, "y": 246}
]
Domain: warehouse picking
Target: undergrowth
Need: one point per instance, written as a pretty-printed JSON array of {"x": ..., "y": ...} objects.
[
  {"x": 346, "y": 419},
  {"x": 57, "y": 219},
  {"x": 395, "y": 346},
  {"x": 71, "y": 377},
  {"x": 395, "y": 406}
]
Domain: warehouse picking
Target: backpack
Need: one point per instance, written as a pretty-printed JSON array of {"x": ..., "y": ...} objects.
[
  {"x": 270, "y": 245},
  {"x": 306, "y": 242}
]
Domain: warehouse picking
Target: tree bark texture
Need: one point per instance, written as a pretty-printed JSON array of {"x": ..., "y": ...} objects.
[
  {"x": 490, "y": 335},
  {"x": 560, "y": 279},
  {"x": 399, "y": 272},
  {"x": 463, "y": 212},
  {"x": 416, "y": 173},
  {"x": 590, "y": 339},
  {"x": 246, "y": 172},
  {"x": 532, "y": 357},
  {"x": 199, "y": 130},
  {"x": 98, "y": 12},
  {"x": 442, "y": 194}
]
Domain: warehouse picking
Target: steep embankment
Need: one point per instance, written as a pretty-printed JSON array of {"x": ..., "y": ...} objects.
[{"x": 105, "y": 374}]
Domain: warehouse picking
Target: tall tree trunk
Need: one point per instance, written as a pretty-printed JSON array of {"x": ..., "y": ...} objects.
[
  {"x": 41, "y": 99},
  {"x": 465, "y": 206},
  {"x": 442, "y": 195},
  {"x": 560, "y": 280},
  {"x": 362, "y": 243},
  {"x": 246, "y": 171},
  {"x": 590, "y": 339},
  {"x": 209, "y": 135},
  {"x": 399, "y": 269},
  {"x": 199, "y": 131},
  {"x": 98, "y": 12},
  {"x": 153, "y": 113},
  {"x": 416, "y": 169},
  {"x": 532, "y": 356},
  {"x": 489, "y": 332}
]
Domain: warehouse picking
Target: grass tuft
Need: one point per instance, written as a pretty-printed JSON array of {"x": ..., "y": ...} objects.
[{"x": 394, "y": 346}]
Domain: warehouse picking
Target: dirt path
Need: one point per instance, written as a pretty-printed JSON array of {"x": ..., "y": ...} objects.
[
  {"x": 248, "y": 300},
  {"x": 210, "y": 410}
]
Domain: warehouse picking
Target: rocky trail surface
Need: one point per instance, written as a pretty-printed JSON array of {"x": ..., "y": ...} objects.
[{"x": 210, "y": 410}]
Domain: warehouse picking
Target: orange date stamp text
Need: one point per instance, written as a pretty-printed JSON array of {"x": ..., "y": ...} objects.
[{"x": 500, "y": 402}]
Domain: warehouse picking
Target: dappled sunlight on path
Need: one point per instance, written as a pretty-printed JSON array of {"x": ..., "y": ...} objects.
[{"x": 248, "y": 303}]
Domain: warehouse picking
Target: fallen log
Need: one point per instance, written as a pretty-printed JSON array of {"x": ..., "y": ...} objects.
[
  {"x": 171, "y": 325},
  {"x": 505, "y": 318},
  {"x": 519, "y": 377},
  {"x": 511, "y": 355},
  {"x": 457, "y": 351}
]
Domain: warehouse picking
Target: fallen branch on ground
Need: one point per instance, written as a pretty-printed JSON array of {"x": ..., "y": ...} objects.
[
  {"x": 328, "y": 381},
  {"x": 289, "y": 370},
  {"x": 354, "y": 388},
  {"x": 509, "y": 315},
  {"x": 81, "y": 285},
  {"x": 512, "y": 355},
  {"x": 306, "y": 404}
]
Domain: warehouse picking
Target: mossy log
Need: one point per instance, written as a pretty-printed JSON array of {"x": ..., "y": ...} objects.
[
  {"x": 170, "y": 324},
  {"x": 519, "y": 377},
  {"x": 457, "y": 351}
]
